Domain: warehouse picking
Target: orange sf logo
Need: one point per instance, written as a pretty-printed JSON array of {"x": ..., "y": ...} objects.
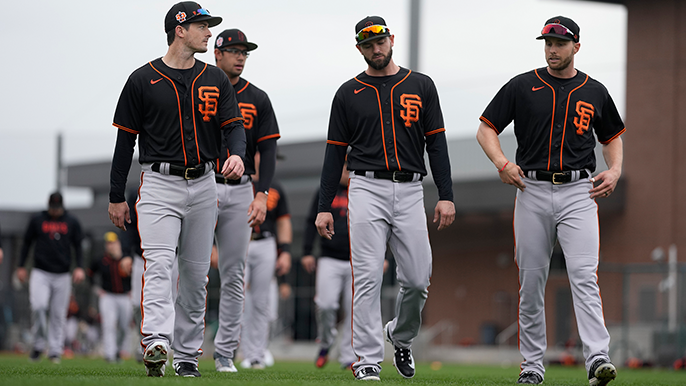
[
  {"x": 412, "y": 103},
  {"x": 273, "y": 199},
  {"x": 583, "y": 121},
  {"x": 249, "y": 113},
  {"x": 209, "y": 95}
]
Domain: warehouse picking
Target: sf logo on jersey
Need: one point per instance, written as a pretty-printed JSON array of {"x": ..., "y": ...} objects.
[
  {"x": 209, "y": 95},
  {"x": 583, "y": 121},
  {"x": 249, "y": 113},
  {"x": 412, "y": 103}
]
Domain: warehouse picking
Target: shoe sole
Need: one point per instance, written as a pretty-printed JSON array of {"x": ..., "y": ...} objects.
[
  {"x": 224, "y": 369},
  {"x": 603, "y": 375},
  {"x": 155, "y": 359},
  {"x": 369, "y": 378}
]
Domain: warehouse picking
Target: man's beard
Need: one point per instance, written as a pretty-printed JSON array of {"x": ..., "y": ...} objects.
[
  {"x": 562, "y": 65},
  {"x": 380, "y": 65}
]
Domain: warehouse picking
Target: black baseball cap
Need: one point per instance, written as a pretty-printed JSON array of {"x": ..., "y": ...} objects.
[
  {"x": 229, "y": 37},
  {"x": 370, "y": 28},
  {"x": 188, "y": 12},
  {"x": 55, "y": 201},
  {"x": 560, "y": 27}
]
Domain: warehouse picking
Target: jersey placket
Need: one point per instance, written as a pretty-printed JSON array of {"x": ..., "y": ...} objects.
[
  {"x": 387, "y": 124},
  {"x": 186, "y": 105},
  {"x": 558, "y": 127}
]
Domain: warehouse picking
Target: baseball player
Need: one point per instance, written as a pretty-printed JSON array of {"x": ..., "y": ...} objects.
[
  {"x": 334, "y": 276},
  {"x": 239, "y": 208},
  {"x": 556, "y": 111},
  {"x": 269, "y": 250},
  {"x": 114, "y": 290},
  {"x": 55, "y": 232},
  {"x": 386, "y": 115},
  {"x": 181, "y": 109}
]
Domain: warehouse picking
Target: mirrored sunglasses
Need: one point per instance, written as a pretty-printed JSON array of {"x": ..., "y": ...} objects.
[
  {"x": 557, "y": 29},
  {"x": 371, "y": 31}
]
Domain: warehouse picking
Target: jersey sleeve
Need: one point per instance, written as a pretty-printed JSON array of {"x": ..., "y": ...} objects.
[
  {"x": 230, "y": 118},
  {"x": 339, "y": 133},
  {"x": 501, "y": 111},
  {"x": 128, "y": 113},
  {"x": 267, "y": 125},
  {"x": 608, "y": 125},
  {"x": 282, "y": 206},
  {"x": 432, "y": 115},
  {"x": 310, "y": 234}
]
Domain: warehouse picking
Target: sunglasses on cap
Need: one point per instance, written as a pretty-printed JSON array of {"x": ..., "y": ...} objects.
[
  {"x": 371, "y": 31},
  {"x": 557, "y": 29},
  {"x": 236, "y": 51}
]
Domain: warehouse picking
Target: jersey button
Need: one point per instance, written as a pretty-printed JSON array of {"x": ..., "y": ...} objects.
[
  {"x": 388, "y": 122},
  {"x": 562, "y": 87},
  {"x": 187, "y": 117},
  {"x": 383, "y": 84}
]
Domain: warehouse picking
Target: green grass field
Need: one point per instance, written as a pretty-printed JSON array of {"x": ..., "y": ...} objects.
[{"x": 17, "y": 370}]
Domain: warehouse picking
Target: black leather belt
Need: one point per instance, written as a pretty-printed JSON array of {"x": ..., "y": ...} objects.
[
  {"x": 395, "y": 176},
  {"x": 260, "y": 235},
  {"x": 182, "y": 171},
  {"x": 557, "y": 178},
  {"x": 222, "y": 180}
]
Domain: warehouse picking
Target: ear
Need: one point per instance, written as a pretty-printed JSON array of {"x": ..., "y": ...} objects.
[
  {"x": 180, "y": 31},
  {"x": 217, "y": 54},
  {"x": 392, "y": 39},
  {"x": 577, "y": 46}
]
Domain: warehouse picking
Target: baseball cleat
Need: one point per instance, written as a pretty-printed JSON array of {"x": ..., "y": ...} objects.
[
  {"x": 224, "y": 364},
  {"x": 257, "y": 365},
  {"x": 367, "y": 374},
  {"x": 322, "y": 358},
  {"x": 155, "y": 359},
  {"x": 34, "y": 356},
  {"x": 186, "y": 370},
  {"x": 55, "y": 359},
  {"x": 402, "y": 359},
  {"x": 530, "y": 377},
  {"x": 601, "y": 372}
]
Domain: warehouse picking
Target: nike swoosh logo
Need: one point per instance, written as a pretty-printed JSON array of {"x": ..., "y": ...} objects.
[
  {"x": 155, "y": 81},
  {"x": 358, "y": 91},
  {"x": 536, "y": 88}
]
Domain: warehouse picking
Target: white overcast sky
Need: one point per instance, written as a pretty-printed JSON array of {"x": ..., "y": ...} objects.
[{"x": 65, "y": 63}]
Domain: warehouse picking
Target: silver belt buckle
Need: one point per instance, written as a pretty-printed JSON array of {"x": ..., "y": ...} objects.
[
  {"x": 558, "y": 182},
  {"x": 393, "y": 178}
]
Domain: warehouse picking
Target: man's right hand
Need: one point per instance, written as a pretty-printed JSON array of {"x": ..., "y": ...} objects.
[
  {"x": 119, "y": 214},
  {"x": 309, "y": 263},
  {"x": 22, "y": 275},
  {"x": 324, "y": 224}
]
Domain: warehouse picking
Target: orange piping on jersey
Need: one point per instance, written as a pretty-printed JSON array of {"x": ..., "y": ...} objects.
[
  {"x": 434, "y": 132},
  {"x": 195, "y": 130},
  {"x": 336, "y": 143},
  {"x": 564, "y": 127},
  {"x": 552, "y": 120},
  {"x": 486, "y": 121},
  {"x": 613, "y": 138},
  {"x": 125, "y": 129},
  {"x": 244, "y": 87},
  {"x": 395, "y": 147},
  {"x": 268, "y": 137},
  {"x": 178, "y": 105},
  {"x": 383, "y": 136},
  {"x": 231, "y": 120}
]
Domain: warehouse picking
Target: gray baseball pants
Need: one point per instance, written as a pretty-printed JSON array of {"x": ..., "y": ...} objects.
[
  {"x": 232, "y": 236},
  {"x": 116, "y": 315},
  {"x": 174, "y": 212},
  {"x": 380, "y": 212},
  {"x": 543, "y": 214},
  {"x": 49, "y": 297},
  {"x": 259, "y": 273},
  {"x": 334, "y": 282}
]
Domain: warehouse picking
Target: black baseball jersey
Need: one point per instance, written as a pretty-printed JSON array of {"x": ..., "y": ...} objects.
[
  {"x": 111, "y": 278},
  {"x": 387, "y": 121},
  {"x": 54, "y": 239},
  {"x": 339, "y": 246},
  {"x": 555, "y": 119},
  {"x": 178, "y": 116},
  {"x": 277, "y": 207},
  {"x": 261, "y": 129}
]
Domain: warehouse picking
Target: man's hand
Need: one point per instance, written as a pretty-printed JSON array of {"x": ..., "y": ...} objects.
[
  {"x": 22, "y": 275},
  {"x": 608, "y": 182},
  {"x": 119, "y": 214},
  {"x": 283, "y": 263},
  {"x": 233, "y": 168},
  {"x": 309, "y": 263},
  {"x": 324, "y": 224},
  {"x": 257, "y": 210},
  {"x": 125, "y": 265},
  {"x": 445, "y": 212},
  {"x": 512, "y": 174},
  {"x": 78, "y": 275}
]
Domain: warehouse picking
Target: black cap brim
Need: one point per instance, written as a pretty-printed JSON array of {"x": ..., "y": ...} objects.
[
  {"x": 248, "y": 46},
  {"x": 558, "y": 36},
  {"x": 212, "y": 21}
]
